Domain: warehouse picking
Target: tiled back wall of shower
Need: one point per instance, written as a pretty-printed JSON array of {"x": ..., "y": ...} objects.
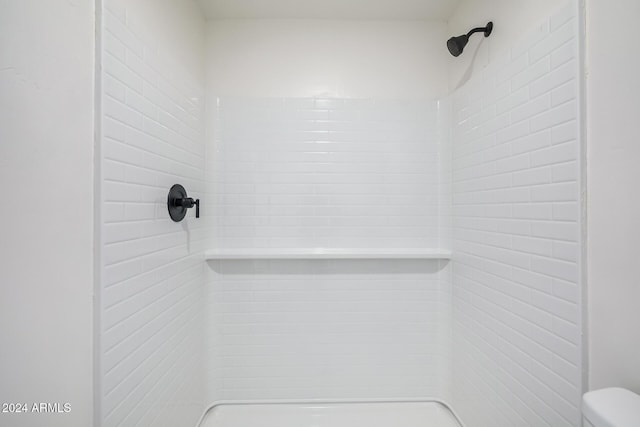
[{"x": 326, "y": 173}]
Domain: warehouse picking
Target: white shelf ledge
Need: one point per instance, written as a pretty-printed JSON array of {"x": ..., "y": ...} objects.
[{"x": 325, "y": 253}]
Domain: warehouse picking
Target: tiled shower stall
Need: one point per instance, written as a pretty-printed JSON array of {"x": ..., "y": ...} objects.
[{"x": 350, "y": 248}]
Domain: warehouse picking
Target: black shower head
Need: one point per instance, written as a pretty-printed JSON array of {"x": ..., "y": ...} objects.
[{"x": 456, "y": 44}]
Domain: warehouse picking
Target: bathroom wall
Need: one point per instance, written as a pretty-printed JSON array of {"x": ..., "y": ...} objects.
[
  {"x": 325, "y": 134},
  {"x": 152, "y": 273},
  {"x": 326, "y": 173},
  {"x": 517, "y": 234},
  {"x": 328, "y": 329},
  {"x": 46, "y": 249},
  {"x": 512, "y": 19},
  {"x": 325, "y": 58},
  {"x": 613, "y": 133}
]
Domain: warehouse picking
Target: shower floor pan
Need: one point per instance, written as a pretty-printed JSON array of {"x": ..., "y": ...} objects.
[{"x": 397, "y": 414}]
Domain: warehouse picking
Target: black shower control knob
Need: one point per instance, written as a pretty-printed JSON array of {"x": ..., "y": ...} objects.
[
  {"x": 178, "y": 203},
  {"x": 188, "y": 203},
  {"x": 185, "y": 203}
]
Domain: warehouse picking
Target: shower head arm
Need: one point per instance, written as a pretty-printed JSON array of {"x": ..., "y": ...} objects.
[{"x": 486, "y": 30}]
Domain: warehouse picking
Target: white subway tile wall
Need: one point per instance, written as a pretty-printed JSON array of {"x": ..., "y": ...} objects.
[
  {"x": 328, "y": 329},
  {"x": 329, "y": 173},
  {"x": 502, "y": 185},
  {"x": 153, "y": 269},
  {"x": 516, "y": 206}
]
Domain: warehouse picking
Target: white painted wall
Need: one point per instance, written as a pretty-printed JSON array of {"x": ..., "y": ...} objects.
[
  {"x": 511, "y": 18},
  {"x": 307, "y": 58},
  {"x": 437, "y": 10},
  {"x": 613, "y": 132},
  {"x": 46, "y": 249}
]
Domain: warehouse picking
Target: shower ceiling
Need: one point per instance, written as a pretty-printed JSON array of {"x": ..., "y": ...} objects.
[{"x": 435, "y": 10}]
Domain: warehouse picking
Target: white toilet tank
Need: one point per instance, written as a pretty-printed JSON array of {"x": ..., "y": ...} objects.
[{"x": 611, "y": 407}]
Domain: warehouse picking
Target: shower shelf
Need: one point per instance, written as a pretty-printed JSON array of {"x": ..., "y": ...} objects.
[{"x": 326, "y": 253}]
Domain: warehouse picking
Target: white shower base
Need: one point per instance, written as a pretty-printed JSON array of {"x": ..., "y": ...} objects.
[{"x": 399, "y": 414}]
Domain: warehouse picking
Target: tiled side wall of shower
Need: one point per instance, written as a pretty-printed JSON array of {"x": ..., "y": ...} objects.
[
  {"x": 516, "y": 205},
  {"x": 152, "y": 268},
  {"x": 326, "y": 173}
]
